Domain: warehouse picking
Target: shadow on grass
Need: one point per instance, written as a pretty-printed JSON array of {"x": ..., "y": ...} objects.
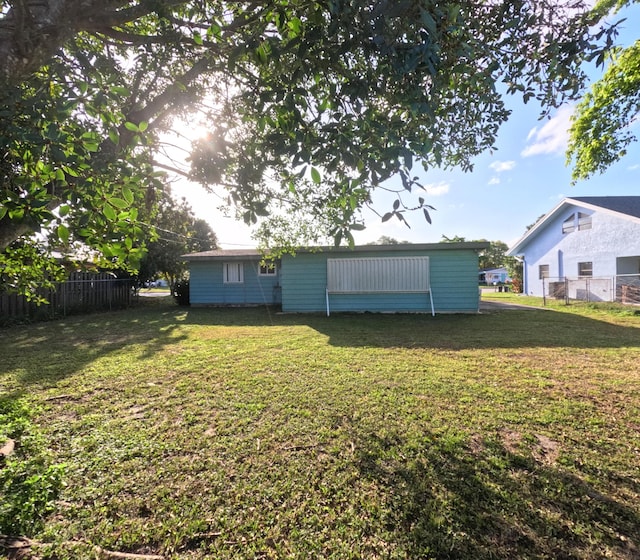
[
  {"x": 44, "y": 353},
  {"x": 484, "y": 501},
  {"x": 509, "y": 329},
  {"x": 65, "y": 346}
]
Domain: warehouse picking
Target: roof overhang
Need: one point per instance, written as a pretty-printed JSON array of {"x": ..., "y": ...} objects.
[
  {"x": 254, "y": 254},
  {"x": 518, "y": 247}
]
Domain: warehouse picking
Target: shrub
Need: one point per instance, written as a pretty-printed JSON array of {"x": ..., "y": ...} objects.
[
  {"x": 181, "y": 292},
  {"x": 29, "y": 484}
]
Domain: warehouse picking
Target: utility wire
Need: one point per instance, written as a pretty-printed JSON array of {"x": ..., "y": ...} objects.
[{"x": 218, "y": 241}]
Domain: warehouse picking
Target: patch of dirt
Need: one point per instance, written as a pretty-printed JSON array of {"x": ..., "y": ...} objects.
[
  {"x": 16, "y": 548},
  {"x": 511, "y": 441},
  {"x": 546, "y": 450},
  {"x": 7, "y": 448}
]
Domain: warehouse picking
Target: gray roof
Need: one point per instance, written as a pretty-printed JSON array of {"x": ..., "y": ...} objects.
[
  {"x": 236, "y": 254},
  {"x": 629, "y": 205}
]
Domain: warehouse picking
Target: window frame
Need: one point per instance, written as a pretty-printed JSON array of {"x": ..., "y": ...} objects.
[
  {"x": 584, "y": 221},
  {"x": 582, "y": 268},
  {"x": 238, "y": 269},
  {"x": 569, "y": 225},
  {"x": 268, "y": 269},
  {"x": 543, "y": 271}
]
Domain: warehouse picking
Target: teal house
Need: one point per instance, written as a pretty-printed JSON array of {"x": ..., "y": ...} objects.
[{"x": 409, "y": 278}]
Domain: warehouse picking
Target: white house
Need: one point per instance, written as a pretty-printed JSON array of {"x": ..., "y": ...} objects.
[
  {"x": 589, "y": 244},
  {"x": 491, "y": 276}
]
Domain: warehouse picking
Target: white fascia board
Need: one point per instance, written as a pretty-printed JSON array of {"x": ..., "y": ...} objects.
[{"x": 516, "y": 250}]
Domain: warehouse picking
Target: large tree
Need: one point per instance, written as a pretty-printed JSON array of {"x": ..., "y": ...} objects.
[
  {"x": 176, "y": 232},
  {"x": 601, "y": 128},
  {"x": 310, "y": 105},
  {"x": 492, "y": 257}
]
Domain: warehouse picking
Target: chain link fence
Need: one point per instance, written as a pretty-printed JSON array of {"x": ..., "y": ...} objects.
[{"x": 624, "y": 288}]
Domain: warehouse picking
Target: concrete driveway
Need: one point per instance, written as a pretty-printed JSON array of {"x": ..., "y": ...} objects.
[
  {"x": 144, "y": 293},
  {"x": 490, "y": 306}
]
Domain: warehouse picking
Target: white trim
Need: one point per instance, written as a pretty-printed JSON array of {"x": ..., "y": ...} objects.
[
  {"x": 272, "y": 269},
  {"x": 516, "y": 249}
]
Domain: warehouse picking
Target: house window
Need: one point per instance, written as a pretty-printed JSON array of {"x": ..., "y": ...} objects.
[
  {"x": 584, "y": 221},
  {"x": 543, "y": 271},
  {"x": 569, "y": 224},
  {"x": 585, "y": 269},
  {"x": 267, "y": 269},
  {"x": 233, "y": 273}
]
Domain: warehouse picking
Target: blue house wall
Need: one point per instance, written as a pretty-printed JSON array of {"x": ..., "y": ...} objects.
[
  {"x": 300, "y": 281},
  {"x": 453, "y": 278},
  {"x": 207, "y": 286}
]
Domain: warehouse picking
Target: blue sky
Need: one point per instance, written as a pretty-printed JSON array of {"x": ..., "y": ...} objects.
[{"x": 508, "y": 190}]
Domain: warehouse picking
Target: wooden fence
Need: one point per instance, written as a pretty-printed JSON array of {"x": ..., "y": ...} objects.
[
  {"x": 628, "y": 288},
  {"x": 81, "y": 293}
]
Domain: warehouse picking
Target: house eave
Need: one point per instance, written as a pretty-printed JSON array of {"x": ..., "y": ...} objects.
[
  {"x": 254, "y": 254},
  {"x": 519, "y": 246}
]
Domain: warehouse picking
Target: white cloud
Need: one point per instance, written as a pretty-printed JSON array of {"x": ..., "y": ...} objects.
[
  {"x": 500, "y": 166},
  {"x": 552, "y": 138},
  {"x": 438, "y": 189},
  {"x": 494, "y": 181},
  {"x": 633, "y": 167}
]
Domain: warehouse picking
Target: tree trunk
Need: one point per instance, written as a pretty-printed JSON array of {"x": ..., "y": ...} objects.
[
  {"x": 32, "y": 31},
  {"x": 11, "y": 231}
]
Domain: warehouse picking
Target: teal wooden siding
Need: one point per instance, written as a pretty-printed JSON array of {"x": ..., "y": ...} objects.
[
  {"x": 453, "y": 275},
  {"x": 206, "y": 286}
]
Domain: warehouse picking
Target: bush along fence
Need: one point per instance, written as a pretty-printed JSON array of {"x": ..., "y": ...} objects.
[
  {"x": 82, "y": 292},
  {"x": 623, "y": 288}
]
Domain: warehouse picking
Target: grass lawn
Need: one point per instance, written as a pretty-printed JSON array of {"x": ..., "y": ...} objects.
[{"x": 189, "y": 433}]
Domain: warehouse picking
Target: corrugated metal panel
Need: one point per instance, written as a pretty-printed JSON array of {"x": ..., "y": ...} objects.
[{"x": 378, "y": 275}]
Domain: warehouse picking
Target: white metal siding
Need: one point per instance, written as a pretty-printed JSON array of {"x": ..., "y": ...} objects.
[{"x": 386, "y": 274}]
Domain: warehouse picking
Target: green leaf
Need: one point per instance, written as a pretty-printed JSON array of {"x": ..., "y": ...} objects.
[
  {"x": 131, "y": 126},
  {"x": 315, "y": 176},
  {"x": 63, "y": 233},
  {"x": 109, "y": 212},
  {"x": 127, "y": 193},
  {"x": 120, "y": 90},
  {"x": 143, "y": 126},
  {"x": 70, "y": 171},
  {"x": 114, "y": 136},
  {"x": 408, "y": 159},
  {"x": 118, "y": 202},
  {"x": 3, "y": 211},
  {"x": 295, "y": 26},
  {"x": 261, "y": 51}
]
